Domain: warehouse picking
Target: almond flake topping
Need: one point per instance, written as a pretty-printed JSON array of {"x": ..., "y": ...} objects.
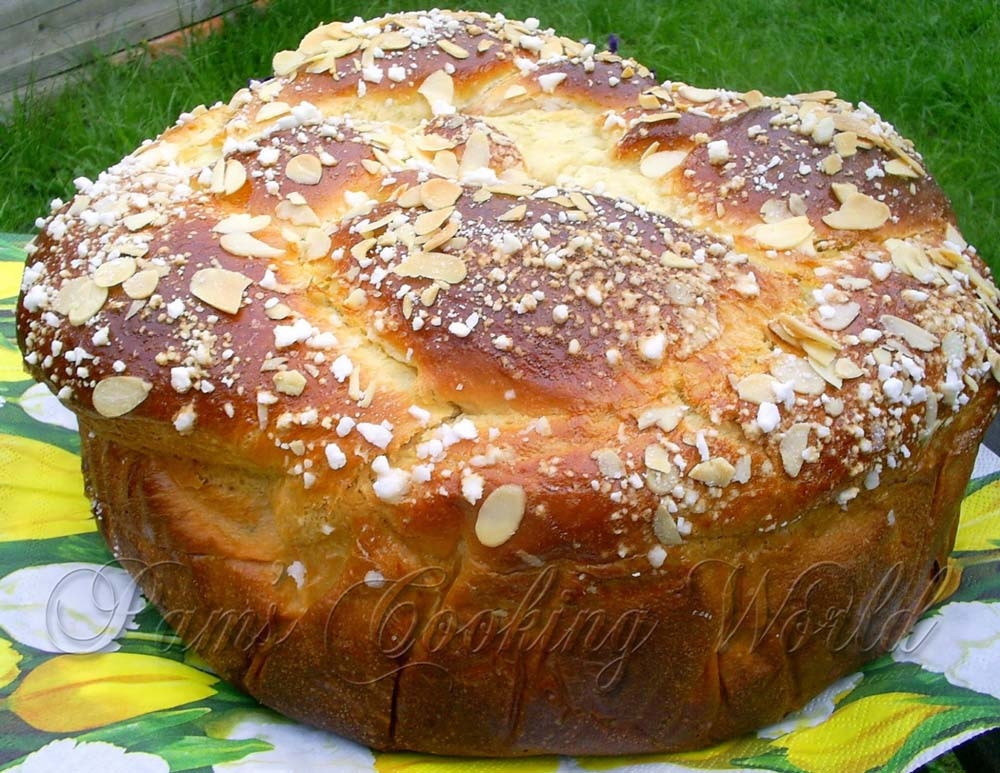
[
  {"x": 913, "y": 334},
  {"x": 439, "y": 91},
  {"x": 304, "y": 169},
  {"x": 664, "y": 526},
  {"x": 142, "y": 284},
  {"x": 220, "y": 288},
  {"x": 242, "y": 223},
  {"x": 500, "y": 515},
  {"x": 139, "y": 220},
  {"x": 439, "y": 193},
  {"x": 432, "y": 265},
  {"x": 286, "y": 62},
  {"x": 857, "y": 212},
  {"x": 452, "y": 49},
  {"x": 657, "y": 165},
  {"x": 246, "y": 246},
  {"x": 114, "y": 272},
  {"x": 715, "y": 472},
  {"x": 793, "y": 446},
  {"x": 783, "y": 235},
  {"x": 118, "y": 395},
  {"x": 80, "y": 299}
]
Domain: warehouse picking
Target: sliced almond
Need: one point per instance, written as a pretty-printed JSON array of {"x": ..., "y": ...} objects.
[
  {"x": 715, "y": 472},
  {"x": 657, "y": 165},
  {"x": 831, "y": 164},
  {"x": 118, "y": 395},
  {"x": 220, "y": 288},
  {"x": 247, "y": 246},
  {"x": 775, "y": 210},
  {"x": 432, "y": 265},
  {"x": 500, "y": 515},
  {"x": 443, "y": 236},
  {"x": 429, "y": 222},
  {"x": 666, "y": 417},
  {"x": 271, "y": 110},
  {"x": 316, "y": 244},
  {"x": 846, "y": 143},
  {"x": 609, "y": 463},
  {"x": 858, "y": 212},
  {"x": 700, "y": 96},
  {"x": 235, "y": 177},
  {"x": 359, "y": 251},
  {"x": 304, "y": 169},
  {"x": 994, "y": 359},
  {"x": 409, "y": 197},
  {"x": 806, "y": 332},
  {"x": 439, "y": 91},
  {"x": 656, "y": 458},
  {"x": 432, "y": 143},
  {"x": 843, "y": 315},
  {"x": 792, "y": 447},
  {"x": 514, "y": 92},
  {"x": 476, "y": 154},
  {"x": 826, "y": 369},
  {"x": 664, "y": 526},
  {"x": 114, "y": 272},
  {"x": 80, "y": 299},
  {"x": 900, "y": 168},
  {"x": 911, "y": 259},
  {"x": 913, "y": 334},
  {"x": 242, "y": 223},
  {"x": 452, "y": 49},
  {"x": 439, "y": 193},
  {"x": 818, "y": 352},
  {"x": 142, "y": 284},
  {"x": 514, "y": 214},
  {"x": 796, "y": 370},
  {"x": 670, "y": 259},
  {"x": 286, "y": 62},
  {"x": 132, "y": 249},
  {"x": 295, "y": 212},
  {"x": 756, "y": 388},
  {"x": 289, "y": 382},
  {"x": 139, "y": 220},
  {"x": 446, "y": 164},
  {"x": 846, "y": 368},
  {"x": 392, "y": 41},
  {"x": 783, "y": 235}
]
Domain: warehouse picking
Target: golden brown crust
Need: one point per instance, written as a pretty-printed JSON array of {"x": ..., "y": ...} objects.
[{"x": 453, "y": 291}]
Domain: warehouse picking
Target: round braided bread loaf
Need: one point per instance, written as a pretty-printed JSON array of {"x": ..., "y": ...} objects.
[{"x": 465, "y": 389}]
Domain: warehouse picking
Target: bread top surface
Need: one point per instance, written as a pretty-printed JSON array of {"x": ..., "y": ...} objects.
[{"x": 496, "y": 287}]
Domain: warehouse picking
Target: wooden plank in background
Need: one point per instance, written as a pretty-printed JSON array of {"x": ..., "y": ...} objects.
[
  {"x": 53, "y": 36},
  {"x": 17, "y": 11}
]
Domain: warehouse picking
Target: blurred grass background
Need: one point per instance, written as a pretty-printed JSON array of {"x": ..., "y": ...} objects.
[{"x": 931, "y": 67}]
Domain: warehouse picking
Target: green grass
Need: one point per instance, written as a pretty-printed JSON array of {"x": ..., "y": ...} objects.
[{"x": 932, "y": 68}]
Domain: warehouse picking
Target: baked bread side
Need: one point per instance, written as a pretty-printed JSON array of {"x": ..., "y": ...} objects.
[{"x": 454, "y": 314}]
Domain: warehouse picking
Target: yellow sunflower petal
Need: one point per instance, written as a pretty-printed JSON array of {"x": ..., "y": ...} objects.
[
  {"x": 41, "y": 491},
  {"x": 70, "y": 693},
  {"x": 720, "y": 756},
  {"x": 11, "y": 365},
  {"x": 9, "y": 660},
  {"x": 10, "y": 278},
  {"x": 979, "y": 525},
  {"x": 861, "y": 736}
]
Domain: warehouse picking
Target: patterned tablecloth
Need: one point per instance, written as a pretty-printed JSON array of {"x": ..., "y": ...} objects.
[{"x": 91, "y": 679}]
